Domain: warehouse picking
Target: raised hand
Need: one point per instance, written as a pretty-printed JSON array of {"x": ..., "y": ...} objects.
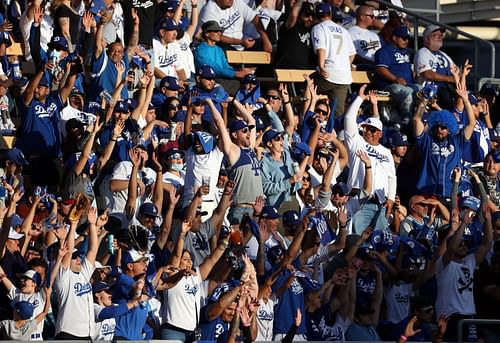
[
  {"x": 363, "y": 156},
  {"x": 260, "y": 202},
  {"x": 372, "y": 95},
  {"x": 135, "y": 17},
  {"x": 462, "y": 91},
  {"x": 409, "y": 330},
  {"x": 186, "y": 226},
  {"x": 102, "y": 219},
  {"x": 92, "y": 215},
  {"x": 135, "y": 157},
  {"x": 38, "y": 15},
  {"x": 87, "y": 21}
]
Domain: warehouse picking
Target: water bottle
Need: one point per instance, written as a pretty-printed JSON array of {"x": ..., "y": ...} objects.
[
  {"x": 111, "y": 238},
  {"x": 173, "y": 129},
  {"x": 296, "y": 167},
  {"x": 130, "y": 84},
  {"x": 16, "y": 70},
  {"x": 54, "y": 59}
]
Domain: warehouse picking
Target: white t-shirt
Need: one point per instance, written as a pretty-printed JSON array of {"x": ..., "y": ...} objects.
[
  {"x": 173, "y": 179},
  {"x": 232, "y": 19},
  {"x": 426, "y": 60},
  {"x": 339, "y": 47},
  {"x": 265, "y": 319},
  {"x": 183, "y": 301},
  {"x": 186, "y": 54},
  {"x": 105, "y": 329},
  {"x": 455, "y": 284},
  {"x": 397, "y": 298},
  {"x": 38, "y": 301},
  {"x": 383, "y": 169},
  {"x": 366, "y": 42},
  {"x": 46, "y": 29},
  {"x": 76, "y": 305},
  {"x": 168, "y": 59},
  {"x": 70, "y": 112},
  {"x": 122, "y": 171},
  {"x": 198, "y": 166}
]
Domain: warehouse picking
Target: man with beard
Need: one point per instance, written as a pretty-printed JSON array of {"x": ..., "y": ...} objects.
[
  {"x": 431, "y": 64},
  {"x": 441, "y": 145},
  {"x": 294, "y": 43}
]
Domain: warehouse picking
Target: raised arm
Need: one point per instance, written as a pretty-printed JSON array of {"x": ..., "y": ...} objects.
[
  {"x": 367, "y": 184},
  {"x": 418, "y": 124},
  {"x": 471, "y": 118},
  {"x": 211, "y": 260},
  {"x": 247, "y": 116},
  {"x": 93, "y": 240},
  {"x": 87, "y": 148},
  {"x": 485, "y": 246},
  {"x": 231, "y": 150},
  {"x": 166, "y": 226},
  {"x": 70, "y": 244},
  {"x": 457, "y": 237},
  {"x": 175, "y": 260},
  {"x": 135, "y": 158}
]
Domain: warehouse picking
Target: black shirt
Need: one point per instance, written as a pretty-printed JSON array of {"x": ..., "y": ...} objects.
[
  {"x": 146, "y": 12},
  {"x": 295, "y": 47},
  {"x": 64, "y": 11}
]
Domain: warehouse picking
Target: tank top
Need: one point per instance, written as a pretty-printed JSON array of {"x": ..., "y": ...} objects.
[{"x": 246, "y": 175}]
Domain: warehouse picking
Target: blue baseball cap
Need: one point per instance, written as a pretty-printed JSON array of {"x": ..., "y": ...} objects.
[
  {"x": 168, "y": 24},
  {"x": 384, "y": 240},
  {"x": 58, "y": 43},
  {"x": 473, "y": 99},
  {"x": 238, "y": 125},
  {"x": 301, "y": 148},
  {"x": 170, "y": 82},
  {"x": 99, "y": 286},
  {"x": 269, "y": 135},
  {"x": 206, "y": 72},
  {"x": 171, "y": 5},
  {"x": 148, "y": 209},
  {"x": 32, "y": 275},
  {"x": 340, "y": 188},
  {"x": 96, "y": 6},
  {"x": 132, "y": 256},
  {"x": 291, "y": 217},
  {"x": 323, "y": 7},
  {"x": 132, "y": 103},
  {"x": 24, "y": 309},
  {"x": 44, "y": 82},
  {"x": 250, "y": 78},
  {"x": 470, "y": 202},
  {"x": 269, "y": 212},
  {"x": 121, "y": 107},
  {"x": 401, "y": 31},
  {"x": 398, "y": 139},
  {"x": 16, "y": 155},
  {"x": 206, "y": 140}
]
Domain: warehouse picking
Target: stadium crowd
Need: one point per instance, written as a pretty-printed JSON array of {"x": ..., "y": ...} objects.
[{"x": 157, "y": 192}]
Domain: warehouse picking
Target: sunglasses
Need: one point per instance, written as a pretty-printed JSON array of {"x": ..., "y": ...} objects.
[
  {"x": 306, "y": 178},
  {"x": 197, "y": 103},
  {"x": 274, "y": 97},
  {"x": 370, "y": 129},
  {"x": 428, "y": 309},
  {"x": 278, "y": 138},
  {"x": 320, "y": 111},
  {"x": 244, "y": 130},
  {"x": 369, "y": 15},
  {"x": 404, "y": 38},
  {"x": 441, "y": 127},
  {"x": 173, "y": 107},
  {"x": 176, "y": 156}
]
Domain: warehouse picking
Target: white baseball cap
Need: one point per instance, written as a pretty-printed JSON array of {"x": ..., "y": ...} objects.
[{"x": 372, "y": 121}]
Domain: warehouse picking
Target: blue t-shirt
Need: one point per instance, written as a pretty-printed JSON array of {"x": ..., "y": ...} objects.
[
  {"x": 131, "y": 324},
  {"x": 322, "y": 326},
  {"x": 396, "y": 60},
  {"x": 438, "y": 160},
  {"x": 365, "y": 287},
  {"x": 480, "y": 142},
  {"x": 123, "y": 143},
  {"x": 211, "y": 330},
  {"x": 40, "y": 130},
  {"x": 103, "y": 75},
  {"x": 291, "y": 299}
]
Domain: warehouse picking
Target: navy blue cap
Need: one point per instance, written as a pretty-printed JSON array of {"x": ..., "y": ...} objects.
[
  {"x": 96, "y": 6},
  {"x": 58, "y": 43},
  {"x": 99, "y": 286},
  {"x": 238, "y": 125},
  {"x": 168, "y": 24},
  {"x": 473, "y": 99},
  {"x": 172, "y": 151},
  {"x": 398, "y": 139},
  {"x": 171, "y": 5},
  {"x": 401, "y": 31},
  {"x": 291, "y": 217},
  {"x": 269, "y": 212},
  {"x": 148, "y": 209},
  {"x": 132, "y": 103},
  {"x": 15, "y": 155},
  {"x": 250, "y": 78},
  {"x": 206, "y": 72},
  {"x": 307, "y": 8},
  {"x": 121, "y": 106},
  {"x": 259, "y": 123},
  {"x": 488, "y": 89},
  {"x": 170, "y": 82},
  {"x": 269, "y": 135},
  {"x": 44, "y": 82},
  {"x": 24, "y": 309},
  {"x": 340, "y": 188},
  {"x": 323, "y": 7}
]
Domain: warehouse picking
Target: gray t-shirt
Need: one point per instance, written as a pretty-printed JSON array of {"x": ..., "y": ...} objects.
[
  {"x": 9, "y": 331},
  {"x": 198, "y": 243}
]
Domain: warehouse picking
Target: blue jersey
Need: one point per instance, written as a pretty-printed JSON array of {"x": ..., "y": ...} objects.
[
  {"x": 396, "y": 60},
  {"x": 365, "y": 287},
  {"x": 291, "y": 299},
  {"x": 40, "y": 131},
  {"x": 123, "y": 143},
  {"x": 323, "y": 326},
  {"x": 217, "y": 94},
  {"x": 103, "y": 75},
  {"x": 131, "y": 324},
  {"x": 480, "y": 143},
  {"x": 438, "y": 161},
  {"x": 211, "y": 330}
]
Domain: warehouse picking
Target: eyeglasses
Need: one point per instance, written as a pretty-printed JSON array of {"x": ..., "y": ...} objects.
[
  {"x": 173, "y": 107},
  {"x": 369, "y": 15},
  {"x": 320, "y": 111},
  {"x": 273, "y": 97},
  {"x": 370, "y": 129}
]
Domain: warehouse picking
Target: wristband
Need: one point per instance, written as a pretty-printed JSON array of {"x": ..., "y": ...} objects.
[
  {"x": 148, "y": 62},
  {"x": 368, "y": 167},
  {"x": 404, "y": 338},
  {"x": 194, "y": 6},
  {"x": 113, "y": 140},
  {"x": 287, "y": 102}
]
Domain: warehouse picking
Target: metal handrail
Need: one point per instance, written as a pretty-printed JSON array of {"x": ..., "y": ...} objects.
[
  {"x": 461, "y": 323},
  {"x": 417, "y": 17}
]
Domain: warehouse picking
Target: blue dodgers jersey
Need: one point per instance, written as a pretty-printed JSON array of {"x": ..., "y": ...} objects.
[
  {"x": 291, "y": 299},
  {"x": 438, "y": 161},
  {"x": 321, "y": 325},
  {"x": 480, "y": 141},
  {"x": 40, "y": 132},
  {"x": 211, "y": 330},
  {"x": 365, "y": 286},
  {"x": 396, "y": 60}
]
